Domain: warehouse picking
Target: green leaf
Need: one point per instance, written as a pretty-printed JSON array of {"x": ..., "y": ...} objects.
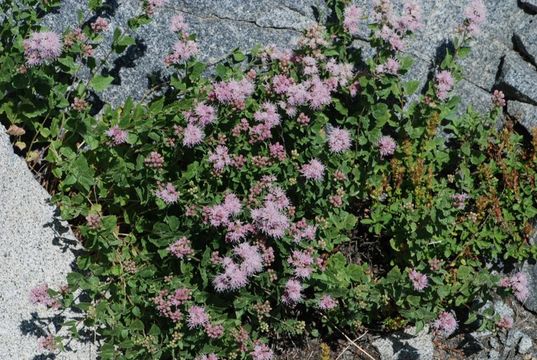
[{"x": 100, "y": 83}]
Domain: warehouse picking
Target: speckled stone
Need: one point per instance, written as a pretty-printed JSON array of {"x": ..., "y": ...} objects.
[
  {"x": 526, "y": 114},
  {"x": 518, "y": 78},
  {"x": 34, "y": 248},
  {"x": 406, "y": 345},
  {"x": 529, "y": 5},
  {"x": 525, "y": 38}
]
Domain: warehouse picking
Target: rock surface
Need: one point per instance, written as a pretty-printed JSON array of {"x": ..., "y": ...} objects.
[
  {"x": 35, "y": 248},
  {"x": 406, "y": 345},
  {"x": 526, "y": 114},
  {"x": 518, "y": 79}
]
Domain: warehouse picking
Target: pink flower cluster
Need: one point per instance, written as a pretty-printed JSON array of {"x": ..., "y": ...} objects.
[
  {"x": 202, "y": 116},
  {"x": 261, "y": 352},
  {"x": 235, "y": 276},
  {"x": 181, "y": 248},
  {"x": 292, "y": 292},
  {"x": 183, "y": 50},
  {"x": 303, "y": 262},
  {"x": 233, "y": 92},
  {"x": 197, "y": 317},
  {"x": 476, "y": 14},
  {"x": 301, "y": 230},
  {"x": 518, "y": 284},
  {"x": 351, "y": 21},
  {"x": 339, "y": 140},
  {"x": 167, "y": 193},
  {"x": 393, "y": 28},
  {"x": 117, "y": 136},
  {"x": 220, "y": 158},
  {"x": 444, "y": 84},
  {"x": 100, "y": 24},
  {"x": 506, "y": 322},
  {"x": 219, "y": 215},
  {"x": 446, "y": 324},
  {"x": 386, "y": 146},
  {"x": 47, "y": 343},
  {"x": 390, "y": 67},
  {"x": 153, "y": 5},
  {"x": 168, "y": 304},
  {"x": 419, "y": 280},
  {"x": 42, "y": 46},
  {"x": 314, "y": 170},
  {"x": 498, "y": 98},
  {"x": 270, "y": 218},
  {"x": 154, "y": 160},
  {"x": 40, "y": 296},
  {"x": 327, "y": 302},
  {"x": 178, "y": 24},
  {"x": 211, "y": 356},
  {"x": 459, "y": 200}
]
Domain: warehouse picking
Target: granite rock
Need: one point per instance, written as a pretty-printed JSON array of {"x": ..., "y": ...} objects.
[
  {"x": 525, "y": 39},
  {"x": 524, "y": 345},
  {"x": 35, "y": 248},
  {"x": 406, "y": 345},
  {"x": 518, "y": 79},
  {"x": 531, "y": 272},
  {"x": 529, "y": 5},
  {"x": 525, "y": 114}
]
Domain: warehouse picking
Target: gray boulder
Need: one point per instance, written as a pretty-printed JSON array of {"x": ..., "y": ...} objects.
[
  {"x": 406, "y": 345},
  {"x": 518, "y": 78},
  {"x": 525, "y": 114}
]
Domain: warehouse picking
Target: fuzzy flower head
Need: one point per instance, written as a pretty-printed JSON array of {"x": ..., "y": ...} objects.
[
  {"x": 181, "y": 248},
  {"x": 270, "y": 220},
  {"x": 252, "y": 261},
  {"x": 293, "y": 292},
  {"x": 100, "y": 24},
  {"x": 352, "y": 15},
  {"x": 314, "y": 170},
  {"x": 339, "y": 140},
  {"x": 197, "y": 317},
  {"x": 446, "y": 324},
  {"x": 40, "y": 296},
  {"x": 178, "y": 24},
  {"x": 183, "y": 50},
  {"x": 262, "y": 352},
  {"x": 41, "y": 47},
  {"x": 220, "y": 158},
  {"x": 232, "y": 278},
  {"x": 498, "y": 98},
  {"x": 444, "y": 84},
  {"x": 386, "y": 146},
  {"x": 211, "y": 356},
  {"x": 167, "y": 193},
  {"x": 327, "y": 302},
  {"x": 47, "y": 343},
  {"x": 506, "y": 322},
  {"x": 117, "y": 136},
  {"x": 476, "y": 14},
  {"x": 192, "y": 135},
  {"x": 419, "y": 280}
]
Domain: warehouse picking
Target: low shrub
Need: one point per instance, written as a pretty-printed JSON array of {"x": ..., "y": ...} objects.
[{"x": 290, "y": 193}]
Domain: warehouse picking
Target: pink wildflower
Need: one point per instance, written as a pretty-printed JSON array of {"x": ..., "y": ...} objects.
[
  {"x": 47, "y": 343},
  {"x": 386, "y": 146},
  {"x": 238, "y": 231},
  {"x": 233, "y": 92},
  {"x": 270, "y": 220},
  {"x": 314, "y": 170},
  {"x": 214, "y": 331},
  {"x": 178, "y": 24},
  {"x": 352, "y": 16},
  {"x": 277, "y": 151},
  {"x": 268, "y": 114},
  {"x": 327, "y": 302},
  {"x": 339, "y": 140},
  {"x": 232, "y": 278},
  {"x": 475, "y": 14},
  {"x": 411, "y": 18},
  {"x": 281, "y": 83},
  {"x": 506, "y": 322},
  {"x": 390, "y": 67},
  {"x": 302, "y": 261},
  {"x": 154, "y": 160},
  {"x": 152, "y": 5},
  {"x": 40, "y": 296},
  {"x": 192, "y": 135},
  {"x": 211, "y": 356},
  {"x": 341, "y": 72},
  {"x": 519, "y": 285},
  {"x": 444, "y": 84},
  {"x": 42, "y": 46},
  {"x": 221, "y": 214},
  {"x": 319, "y": 93},
  {"x": 261, "y": 352},
  {"x": 206, "y": 114},
  {"x": 197, "y": 317},
  {"x": 181, "y": 248},
  {"x": 220, "y": 158},
  {"x": 93, "y": 221},
  {"x": 117, "y": 135},
  {"x": 167, "y": 193},
  {"x": 459, "y": 200},
  {"x": 446, "y": 324},
  {"x": 498, "y": 98},
  {"x": 100, "y": 24},
  {"x": 293, "y": 292},
  {"x": 419, "y": 280},
  {"x": 252, "y": 261},
  {"x": 183, "y": 50}
]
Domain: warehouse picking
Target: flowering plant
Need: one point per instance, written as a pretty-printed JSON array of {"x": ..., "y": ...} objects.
[{"x": 232, "y": 209}]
